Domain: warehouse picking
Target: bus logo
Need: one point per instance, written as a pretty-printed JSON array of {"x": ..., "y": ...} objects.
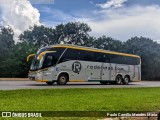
[{"x": 76, "y": 67}]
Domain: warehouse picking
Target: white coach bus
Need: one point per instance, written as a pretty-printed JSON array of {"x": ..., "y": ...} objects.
[{"x": 70, "y": 63}]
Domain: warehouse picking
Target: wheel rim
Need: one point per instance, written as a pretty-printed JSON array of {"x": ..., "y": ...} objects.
[
  {"x": 126, "y": 79},
  {"x": 62, "y": 79},
  {"x": 119, "y": 80}
]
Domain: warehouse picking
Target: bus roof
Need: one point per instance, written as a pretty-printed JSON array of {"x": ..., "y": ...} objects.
[{"x": 92, "y": 49}]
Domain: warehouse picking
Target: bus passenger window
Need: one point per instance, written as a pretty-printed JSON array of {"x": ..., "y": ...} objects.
[
  {"x": 107, "y": 59},
  {"x": 87, "y": 56},
  {"x": 48, "y": 61}
]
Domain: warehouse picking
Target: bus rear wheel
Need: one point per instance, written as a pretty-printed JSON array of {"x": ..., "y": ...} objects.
[
  {"x": 62, "y": 79},
  {"x": 103, "y": 82},
  {"x": 50, "y": 83},
  {"x": 119, "y": 80},
  {"x": 126, "y": 80}
]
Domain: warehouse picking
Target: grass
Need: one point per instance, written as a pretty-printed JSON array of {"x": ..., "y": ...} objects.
[{"x": 112, "y": 99}]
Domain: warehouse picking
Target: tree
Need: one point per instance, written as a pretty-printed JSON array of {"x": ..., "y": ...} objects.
[
  {"x": 71, "y": 33},
  {"x": 150, "y": 56},
  {"x": 108, "y": 43},
  {"x": 21, "y": 51},
  {"x": 6, "y": 45},
  {"x": 74, "y": 33},
  {"x": 13, "y": 56},
  {"x": 16, "y": 65},
  {"x": 6, "y": 39},
  {"x": 40, "y": 36}
]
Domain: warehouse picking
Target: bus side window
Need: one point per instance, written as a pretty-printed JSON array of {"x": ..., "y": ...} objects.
[
  {"x": 87, "y": 55},
  {"x": 57, "y": 54},
  {"x": 107, "y": 59},
  {"x": 129, "y": 60},
  {"x": 118, "y": 59},
  {"x": 71, "y": 54},
  {"x": 113, "y": 58},
  {"x": 134, "y": 61},
  {"x": 100, "y": 57},
  {"x": 78, "y": 54},
  {"x": 138, "y": 61},
  {"x": 68, "y": 55},
  {"x": 48, "y": 61},
  {"x": 64, "y": 57},
  {"x": 121, "y": 59}
]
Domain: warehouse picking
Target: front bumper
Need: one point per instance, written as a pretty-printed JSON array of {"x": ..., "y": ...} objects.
[{"x": 31, "y": 77}]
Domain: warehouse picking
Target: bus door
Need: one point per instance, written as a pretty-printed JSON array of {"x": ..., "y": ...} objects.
[
  {"x": 48, "y": 74},
  {"x": 47, "y": 69}
]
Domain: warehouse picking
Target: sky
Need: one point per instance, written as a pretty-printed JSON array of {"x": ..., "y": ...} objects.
[{"x": 119, "y": 19}]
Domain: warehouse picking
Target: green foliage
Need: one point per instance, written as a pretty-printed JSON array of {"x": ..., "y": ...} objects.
[
  {"x": 15, "y": 64},
  {"x": 108, "y": 43},
  {"x": 6, "y": 46},
  {"x": 150, "y": 56},
  {"x": 39, "y": 36},
  {"x": 6, "y": 38},
  {"x": 19, "y": 55},
  {"x": 73, "y": 33},
  {"x": 70, "y": 33}
]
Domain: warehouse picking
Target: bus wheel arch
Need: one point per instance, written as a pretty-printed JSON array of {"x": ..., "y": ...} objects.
[
  {"x": 119, "y": 79},
  {"x": 126, "y": 80},
  {"x": 63, "y": 78}
]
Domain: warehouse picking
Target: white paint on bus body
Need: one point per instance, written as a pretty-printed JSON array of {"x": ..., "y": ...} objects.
[{"x": 88, "y": 70}]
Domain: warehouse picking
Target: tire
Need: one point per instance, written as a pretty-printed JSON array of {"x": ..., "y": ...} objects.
[
  {"x": 126, "y": 80},
  {"x": 50, "y": 83},
  {"x": 62, "y": 79},
  {"x": 103, "y": 82},
  {"x": 119, "y": 80}
]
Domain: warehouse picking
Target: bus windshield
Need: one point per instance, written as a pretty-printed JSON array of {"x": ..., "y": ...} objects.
[
  {"x": 46, "y": 60},
  {"x": 36, "y": 64}
]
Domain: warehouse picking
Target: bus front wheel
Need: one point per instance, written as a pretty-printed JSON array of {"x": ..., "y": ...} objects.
[
  {"x": 62, "y": 79},
  {"x": 119, "y": 79}
]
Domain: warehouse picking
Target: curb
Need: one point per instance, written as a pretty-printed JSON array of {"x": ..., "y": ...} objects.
[{"x": 14, "y": 79}]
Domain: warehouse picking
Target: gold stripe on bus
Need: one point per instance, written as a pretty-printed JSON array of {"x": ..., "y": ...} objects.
[
  {"x": 41, "y": 80},
  {"x": 77, "y": 81},
  {"x": 93, "y": 50}
]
